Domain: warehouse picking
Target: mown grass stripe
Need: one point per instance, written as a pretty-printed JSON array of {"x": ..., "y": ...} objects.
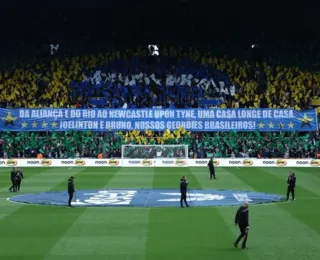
[
  {"x": 5, "y": 176},
  {"x": 114, "y": 233},
  {"x": 272, "y": 226},
  {"x": 103, "y": 232},
  {"x": 202, "y": 233},
  {"x": 36, "y": 180},
  {"x": 306, "y": 180},
  {"x": 307, "y": 211},
  {"x": 132, "y": 178},
  {"x": 191, "y": 231},
  {"x": 32, "y": 231},
  {"x": 225, "y": 180}
]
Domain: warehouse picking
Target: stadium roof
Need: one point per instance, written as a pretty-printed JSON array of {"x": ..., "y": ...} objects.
[{"x": 158, "y": 20}]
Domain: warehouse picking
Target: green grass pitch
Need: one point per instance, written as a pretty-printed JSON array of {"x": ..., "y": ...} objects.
[{"x": 287, "y": 230}]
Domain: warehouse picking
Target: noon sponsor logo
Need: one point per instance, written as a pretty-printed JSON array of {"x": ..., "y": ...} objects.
[
  {"x": 281, "y": 162},
  {"x": 2, "y": 162},
  {"x": 315, "y": 163},
  {"x": 167, "y": 162},
  {"x": 302, "y": 162},
  {"x": 101, "y": 162},
  {"x": 247, "y": 162},
  {"x": 180, "y": 162},
  {"x": 135, "y": 162},
  {"x": 201, "y": 162},
  {"x": 268, "y": 162},
  {"x": 11, "y": 162},
  {"x": 33, "y": 162},
  {"x": 80, "y": 162},
  {"x": 45, "y": 162},
  {"x": 113, "y": 162},
  {"x": 147, "y": 162},
  {"x": 235, "y": 162},
  {"x": 67, "y": 162}
]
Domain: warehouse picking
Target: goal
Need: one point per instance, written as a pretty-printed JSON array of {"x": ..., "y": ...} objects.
[{"x": 154, "y": 152}]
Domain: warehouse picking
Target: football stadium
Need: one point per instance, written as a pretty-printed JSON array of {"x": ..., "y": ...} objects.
[{"x": 160, "y": 151}]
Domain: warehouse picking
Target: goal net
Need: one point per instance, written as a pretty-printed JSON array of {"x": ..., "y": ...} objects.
[{"x": 154, "y": 152}]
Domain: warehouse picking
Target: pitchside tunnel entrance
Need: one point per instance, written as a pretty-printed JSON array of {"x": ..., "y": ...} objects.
[{"x": 147, "y": 198}]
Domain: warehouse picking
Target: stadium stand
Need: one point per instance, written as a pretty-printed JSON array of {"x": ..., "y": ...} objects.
[
  {"x": 178, "y": 79},
  {"x": 73, "y": 144},
  {"x": 85, "y": 80}
]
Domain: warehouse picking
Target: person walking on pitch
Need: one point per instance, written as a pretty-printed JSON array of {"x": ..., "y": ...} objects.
[
  {"x": 242, "y": 220},
  {"x": 13, "y": 180},
  {"x": 211, "y": 169},
  {"x": 291, "y": 186},
  {"x": 183, "y": 190},
  {"x": 71, "y": 190},
  {"x": 19, "y": 178}
]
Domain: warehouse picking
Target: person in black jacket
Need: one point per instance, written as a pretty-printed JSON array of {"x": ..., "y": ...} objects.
[
  {"x": 13, "y": 180},
  {"x": 242, "y": 220},
  {"x": 71, "y": 190},
  {"x": 291, "y": 185},
  {"x": 19, "y": 178},
  {"x": 183, "y": 190},
  {"x": 211, "y": 169}
]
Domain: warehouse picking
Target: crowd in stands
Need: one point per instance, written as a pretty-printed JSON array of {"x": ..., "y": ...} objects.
[
  {"x": 176, "y": 78},
  {"x": 73, "y": 144},
  {"x": 179, "y": 78}
]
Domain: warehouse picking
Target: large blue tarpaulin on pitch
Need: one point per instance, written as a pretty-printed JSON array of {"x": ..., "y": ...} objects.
[{"x": 157, "y": 119}]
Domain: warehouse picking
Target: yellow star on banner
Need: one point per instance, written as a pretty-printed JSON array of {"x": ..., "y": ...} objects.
[
  {"x": 261, "y": 125},
  {"x": 54, "y": 124},
  {"x": 24, "y": 125},
  {"x": 281, "y": 125},
  {"x": 9, "y": 119},
  {"x": 44, "y": 124},
  {"x": 34, "y": 124},
  {"x": 305, "y": 120},
  {"x": 290, "y": 125},
  {"x": 271, "y": 125}
]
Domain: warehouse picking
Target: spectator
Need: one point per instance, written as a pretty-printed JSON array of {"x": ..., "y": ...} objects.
[{"x": 225, "y": 144}]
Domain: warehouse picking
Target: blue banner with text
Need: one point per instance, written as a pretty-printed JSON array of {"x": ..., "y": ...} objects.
[{"x": 157, "y": 119}]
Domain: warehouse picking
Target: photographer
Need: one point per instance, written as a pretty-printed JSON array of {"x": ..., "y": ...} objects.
[
  {"x": 183, "y": 190},
  {"x": 291, "y": 185},
  {"x": 71, "y": 190},
  {"x": 242, "y": 220}
]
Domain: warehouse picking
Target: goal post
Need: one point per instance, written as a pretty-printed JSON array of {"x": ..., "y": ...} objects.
[{"x": 154, "y": 155}]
